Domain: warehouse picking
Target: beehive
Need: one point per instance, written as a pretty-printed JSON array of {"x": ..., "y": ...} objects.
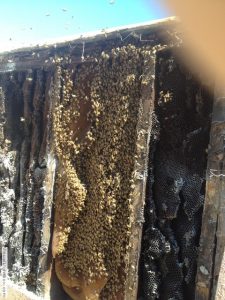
[{"x": 86, "y": 126}]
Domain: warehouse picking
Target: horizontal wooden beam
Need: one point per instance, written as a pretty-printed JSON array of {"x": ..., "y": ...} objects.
[{"x": 81, "y": 48}]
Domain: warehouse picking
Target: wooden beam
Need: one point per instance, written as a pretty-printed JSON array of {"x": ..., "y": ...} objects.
[
  {"x": 212, "y": 239},
  {"x": 70, "y": 50},
  {"x": 219, "y": 270},
  {"x": 143, "y": 137}
]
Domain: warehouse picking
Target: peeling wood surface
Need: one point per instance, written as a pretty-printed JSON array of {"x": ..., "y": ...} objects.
[{"x": 213, "y": 224}]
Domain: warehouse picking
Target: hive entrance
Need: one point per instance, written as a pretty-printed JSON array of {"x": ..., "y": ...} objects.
[{"x": 176, "y": 183}]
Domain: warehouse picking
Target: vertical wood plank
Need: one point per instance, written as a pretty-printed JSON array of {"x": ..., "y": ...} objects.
[
  {"x": 218, "y": 292},
  {"x": 213, "y": 223},
  {"x": 143, "y": 137}
]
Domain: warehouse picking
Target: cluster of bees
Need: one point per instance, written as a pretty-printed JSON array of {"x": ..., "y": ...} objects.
[{"x": 95, "y": 137}]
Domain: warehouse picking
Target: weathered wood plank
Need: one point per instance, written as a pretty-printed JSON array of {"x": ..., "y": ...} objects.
[
  {"x": 213, "y": 228},
  {"x": 141, "y": 166},
  {"x": 219, "y": 270}
]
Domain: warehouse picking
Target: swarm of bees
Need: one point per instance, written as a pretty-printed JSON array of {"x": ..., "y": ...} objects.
[{"x": 96, "y": 151}]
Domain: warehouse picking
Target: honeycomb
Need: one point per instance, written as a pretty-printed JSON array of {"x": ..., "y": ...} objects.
[
  {"x": 176, "y": 182},
  {"x": 94, "y": 126}
]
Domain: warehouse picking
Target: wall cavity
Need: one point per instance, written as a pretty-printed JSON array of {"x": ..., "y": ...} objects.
[
  {"x": 95, "y": 129},
  {"x": 73, "y": 138},
  {"x": 176, "y": 183}
]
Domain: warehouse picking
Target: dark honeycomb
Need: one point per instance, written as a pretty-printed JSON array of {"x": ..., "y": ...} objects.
[{"x": 176, "y": 183}]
